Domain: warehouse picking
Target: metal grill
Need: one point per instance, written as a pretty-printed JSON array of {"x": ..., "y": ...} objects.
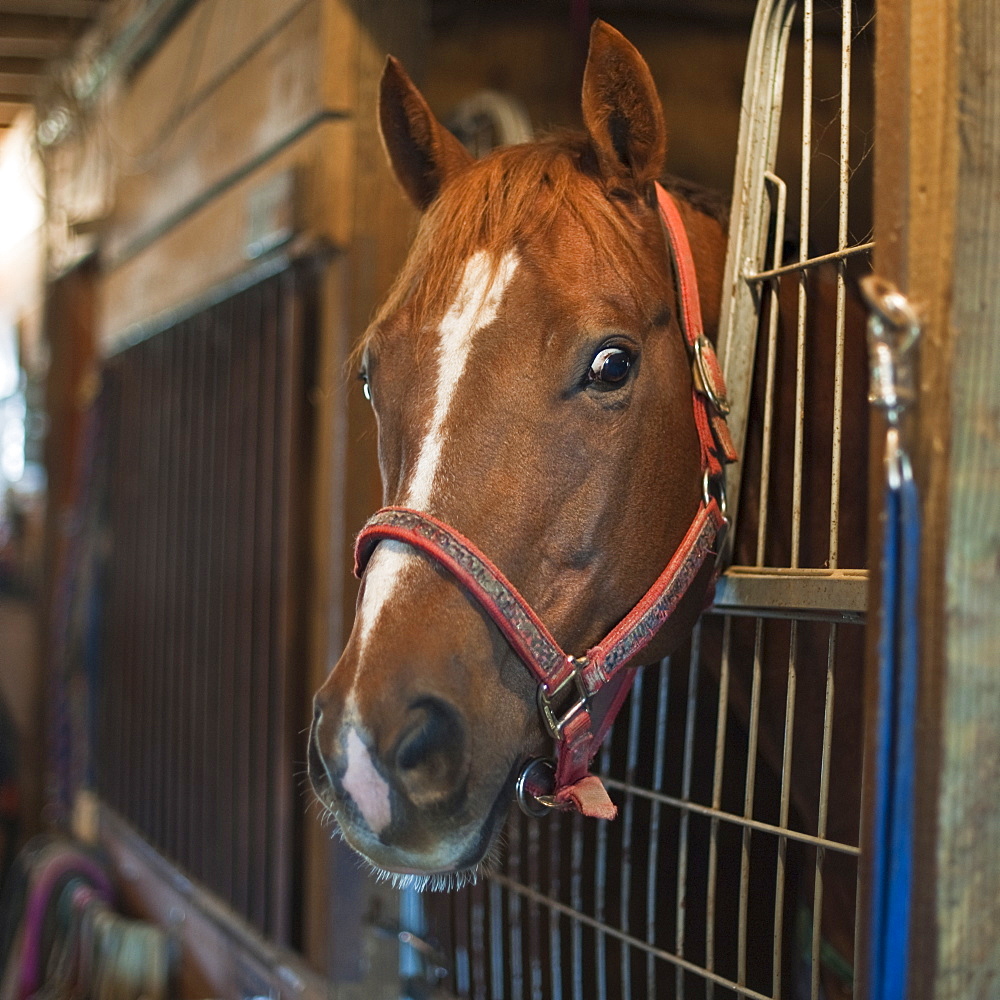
[
  {"x": 732, "y": 868},
  {"x": 198, "y": 710}
]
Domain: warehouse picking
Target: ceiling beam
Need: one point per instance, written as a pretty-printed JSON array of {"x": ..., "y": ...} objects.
[
  {"x": 32, "y": 48},
  {"x": 19, "y": 84},
  {"x": 21, "y": 67},
  {"x": 81, "y": 10},
  {"x": 27, "y": 26}
]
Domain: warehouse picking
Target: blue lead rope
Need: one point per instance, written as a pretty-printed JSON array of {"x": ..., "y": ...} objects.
[
  {"x": 896, "y": 738},
  {"x": 893, "y": 330}
]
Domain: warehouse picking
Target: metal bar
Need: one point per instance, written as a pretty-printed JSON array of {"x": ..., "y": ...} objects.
[
  {"x": 175, "y": 586},
  {"x": 188, "y": 554},
  {"x": 515, "y": 943},
  {"x": 659, "y": 763},
  {"x": 155, "y": 569},
  {"x": 756, "y": 147},
  {"x": 576, "y": 898},
  {"x": 143, "y": 806},
  {"x": 628, "y": 821},
  {"x": 722, "y": 715},
  {"x": 839, "y": 334},
  {"x": 833, "y": 257},
  {"x": 203, "y": 865},
  {"x": 230, "y": 489},
  {"x": 800, "y": 341},
  {"x": 131, "y": 680},
  {"x": 289, "y": 348},
  {"x": 555, "y": 891},
  {"x": 786, "y": 791},
  {"x": 824, "y": 802},
  {"x": 154, "y": 532},
  {"x": 477, "y": 926},
  {"x": 601, "y": 881},
  {"x": 461, "y": 903},
  {"x": 793, "y": 593},
  {"x": 192, "y": 848},
  {"x": 682, "y": 845},
  {"x": 600, "y": 928},
  {"x": 214, "y": 872},
  {"x": 250, "y": 474},
  {"x": 497, "y": 991},
  {"x": 534, "y": 915},
  {"x": 230, "y": 737},
  {"x": 773, "y": 310},
  {"x": 748, "y": 797},
  {"x": 262, "y": 618}
]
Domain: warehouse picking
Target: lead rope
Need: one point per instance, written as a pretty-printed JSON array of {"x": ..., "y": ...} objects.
[{"x": 893, "y": 330}]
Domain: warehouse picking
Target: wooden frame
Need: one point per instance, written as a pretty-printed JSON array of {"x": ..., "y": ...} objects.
[{"x": 938, "y": 230}]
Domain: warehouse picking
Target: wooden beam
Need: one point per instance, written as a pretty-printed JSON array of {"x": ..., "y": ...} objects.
[
  {"x": 82, "y": 10},
  {"x": 968, "y": 820},
  {"x": 18, "y": 84},
  {"x": 20, "y": 66},
  {"x": 354, "y": 42},
  {"x": 269, "y": 96},
  {"x": 32, "y": 47},
  {"x": 206, "y": 249},
  {"x": 937, "y": 227}
]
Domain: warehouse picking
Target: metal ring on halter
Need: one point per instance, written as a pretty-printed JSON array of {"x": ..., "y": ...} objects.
[
  {"x": 541, "y": 770},
  {"x": 720, "y": 491}
]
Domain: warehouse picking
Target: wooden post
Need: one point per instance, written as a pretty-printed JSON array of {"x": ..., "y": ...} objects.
[
  {"x": 937, "y": 225},
  {"x": 356, "y": 37}
]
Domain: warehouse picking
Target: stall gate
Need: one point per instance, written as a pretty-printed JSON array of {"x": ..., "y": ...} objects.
[
  {"x": 199, "y": 700},
  {"x": 732, "y": 868}
]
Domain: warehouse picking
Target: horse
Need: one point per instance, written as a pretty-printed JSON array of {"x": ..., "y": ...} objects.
[{"x": 532, "y": 380}]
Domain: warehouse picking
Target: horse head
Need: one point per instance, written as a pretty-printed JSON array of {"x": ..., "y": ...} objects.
[{"x": 532, "y": 389}]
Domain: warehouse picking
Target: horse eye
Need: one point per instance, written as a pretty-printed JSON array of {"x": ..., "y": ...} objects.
[
  {"x": 365, "y": 385},
  {"x": 611, "y": 367}
]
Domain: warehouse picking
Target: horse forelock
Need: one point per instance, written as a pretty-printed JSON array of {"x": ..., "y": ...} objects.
[{"x": 502, "y": 202}]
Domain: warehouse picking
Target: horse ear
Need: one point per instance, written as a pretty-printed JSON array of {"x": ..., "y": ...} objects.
[
  {"x": 622, "y": 112},
  {"x": 422, "y": 152}
]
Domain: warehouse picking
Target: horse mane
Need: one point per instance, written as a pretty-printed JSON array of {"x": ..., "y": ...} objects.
[{"x": 510, "y": 195}]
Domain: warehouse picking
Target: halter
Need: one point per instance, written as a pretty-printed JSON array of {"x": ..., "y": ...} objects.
[{"x": 579, "y": 697}]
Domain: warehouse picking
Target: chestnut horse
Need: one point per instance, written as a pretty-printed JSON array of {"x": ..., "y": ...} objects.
[{"x": 532, "y": 386}]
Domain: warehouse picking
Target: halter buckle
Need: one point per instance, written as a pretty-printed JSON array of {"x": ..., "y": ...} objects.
[
  {"x": 708, "y": 376},
  {"x": 556, "y": 718}
]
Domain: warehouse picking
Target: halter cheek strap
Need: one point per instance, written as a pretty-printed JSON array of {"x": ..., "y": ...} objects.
[{"x": 578, "y": 697}]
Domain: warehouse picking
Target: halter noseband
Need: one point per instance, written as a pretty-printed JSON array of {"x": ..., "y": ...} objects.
[{"x": 578, "y": 697}]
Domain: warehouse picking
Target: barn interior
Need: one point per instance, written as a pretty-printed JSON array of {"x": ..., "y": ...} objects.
[{"x": 198, "y": 224}]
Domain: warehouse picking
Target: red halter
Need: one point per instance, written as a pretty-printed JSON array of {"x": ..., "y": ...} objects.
[{"x": 579, "y": 696}]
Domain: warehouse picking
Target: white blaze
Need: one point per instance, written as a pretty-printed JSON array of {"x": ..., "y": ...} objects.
[
  {"x": 475, "y": 306},
  {"x": 365, "y": 785}
]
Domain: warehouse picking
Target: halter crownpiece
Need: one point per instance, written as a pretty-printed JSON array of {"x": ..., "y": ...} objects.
[{"x": 579, "y": 697}]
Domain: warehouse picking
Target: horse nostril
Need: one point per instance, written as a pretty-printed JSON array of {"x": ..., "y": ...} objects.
[{"x": 430, "y": 755}]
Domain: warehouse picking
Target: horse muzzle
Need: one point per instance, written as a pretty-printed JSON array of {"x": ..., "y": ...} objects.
[{"x": 401, "y": 796}]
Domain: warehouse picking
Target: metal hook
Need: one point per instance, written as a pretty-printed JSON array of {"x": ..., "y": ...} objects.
[{"x": 893, "y": 330}]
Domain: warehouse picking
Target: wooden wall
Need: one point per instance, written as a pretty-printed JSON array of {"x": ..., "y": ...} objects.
[
  {"x": 157, "y": 181},
  {"x": 938, "y": 224}
]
